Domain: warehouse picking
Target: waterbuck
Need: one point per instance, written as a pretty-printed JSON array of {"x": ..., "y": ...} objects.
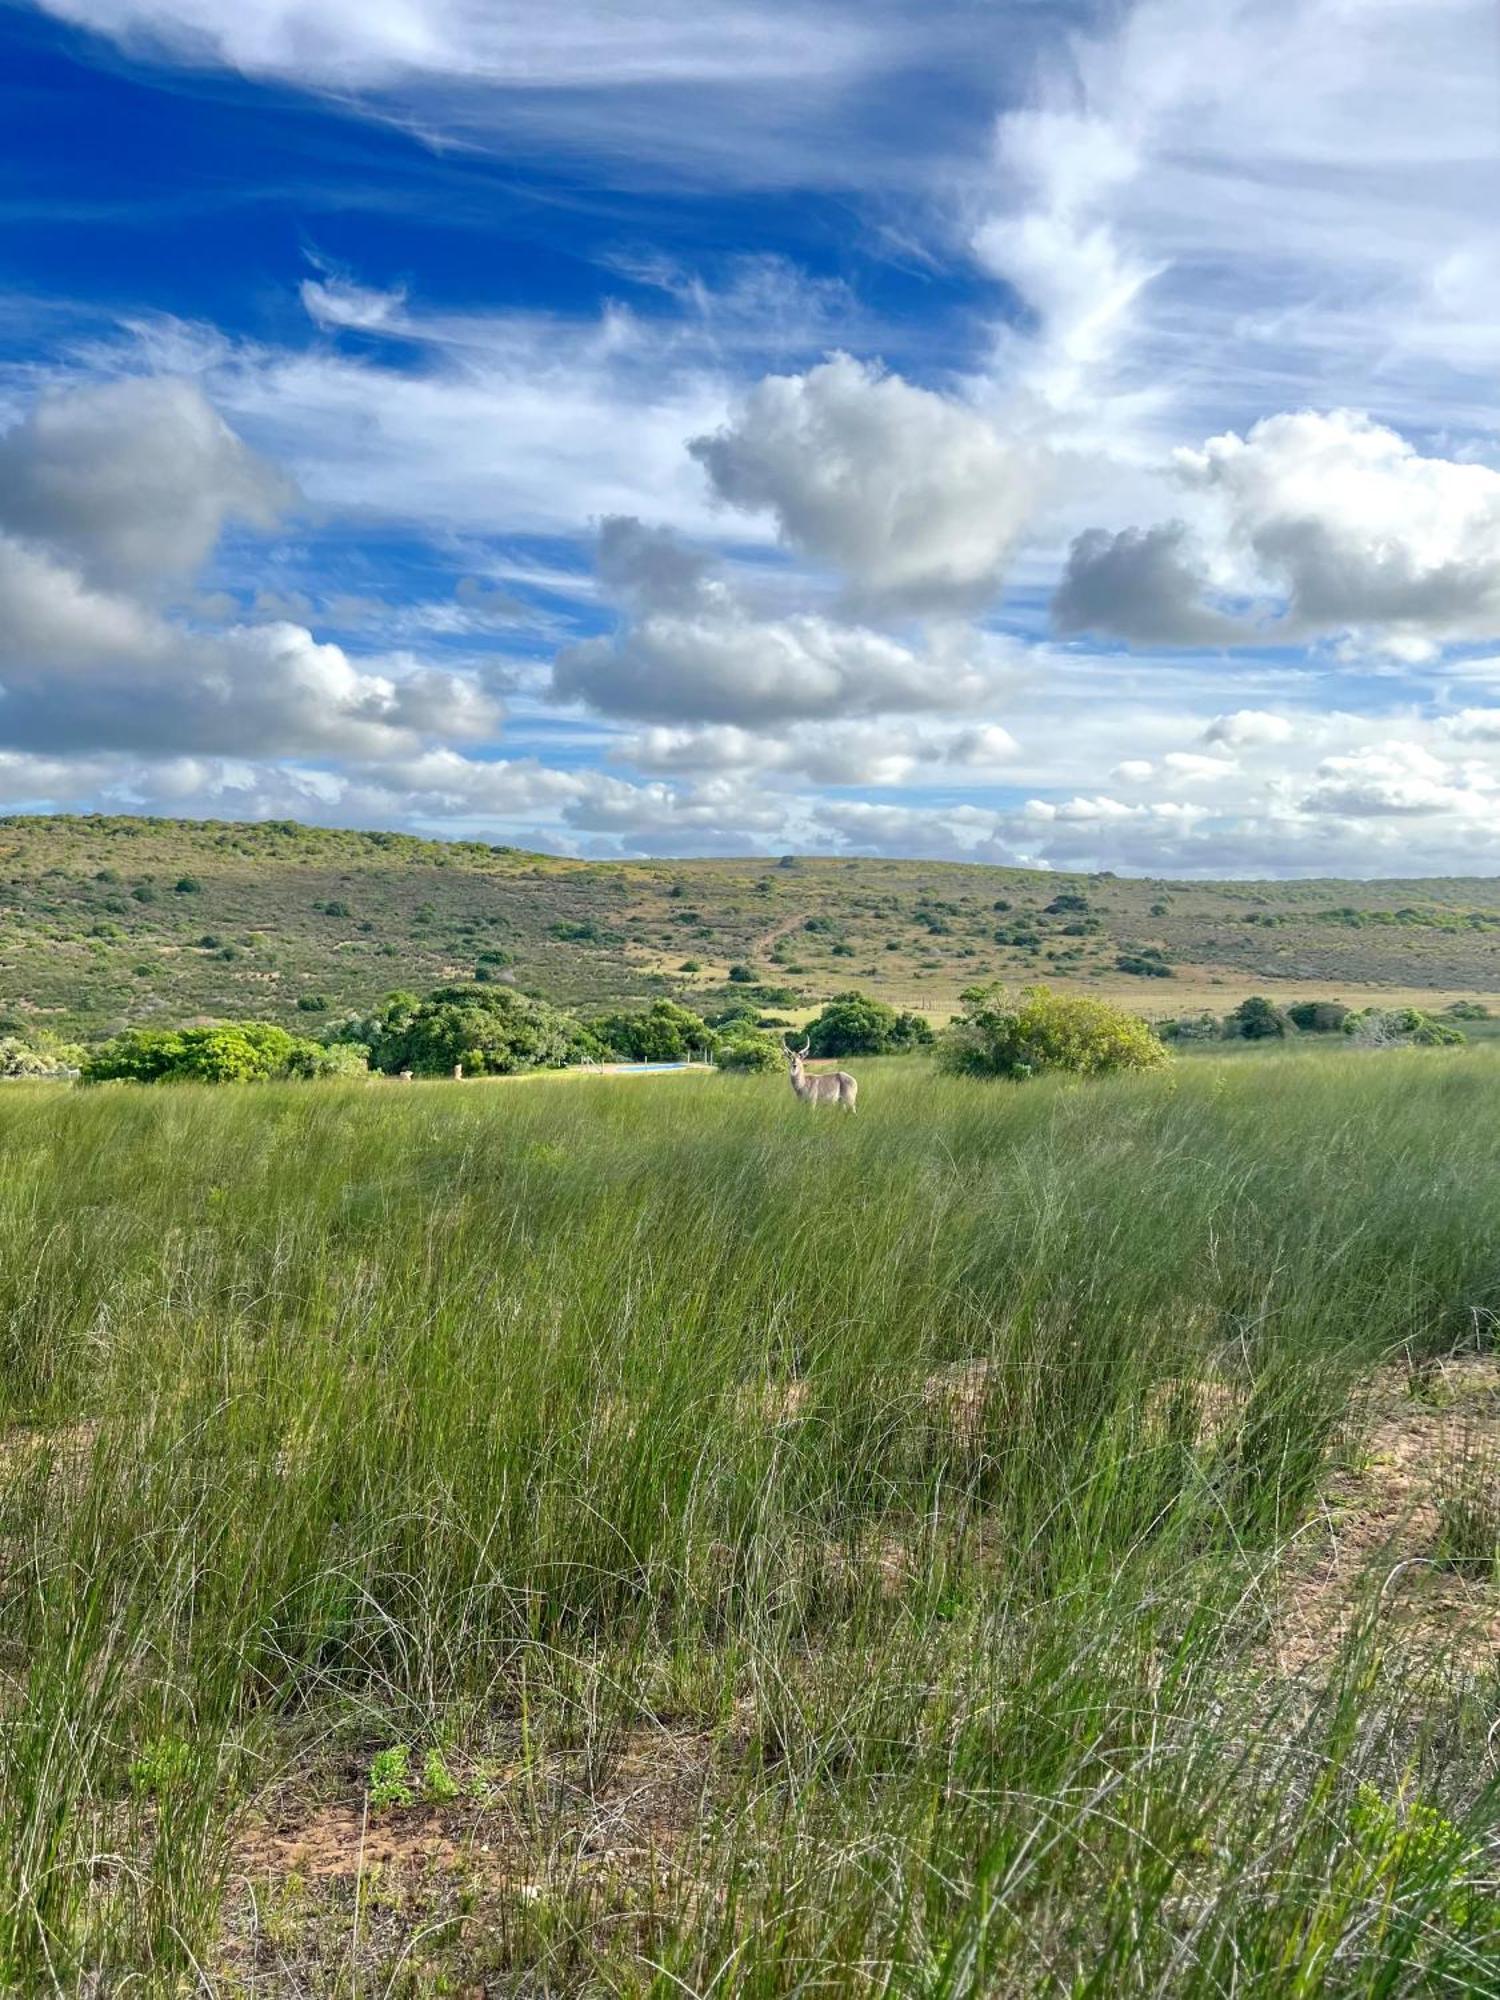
[{"x": 836, "y": 1088}]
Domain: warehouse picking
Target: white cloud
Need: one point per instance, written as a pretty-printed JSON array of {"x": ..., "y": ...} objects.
[
  {"x": 690, "y": 649},
  {"x": 133, "y": 480},
  {"x": 914, "y": 498},
  {"x": 1142, "y": 584},
  {"x": 838, "y": 754},
  {"x": 1249, "y": 728},
  {"x": 1340, "y": 525},
  {"x": 86, "y": 668}
]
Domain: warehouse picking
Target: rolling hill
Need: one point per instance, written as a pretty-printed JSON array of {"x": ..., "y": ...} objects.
[{"x": 106, "y": 921}]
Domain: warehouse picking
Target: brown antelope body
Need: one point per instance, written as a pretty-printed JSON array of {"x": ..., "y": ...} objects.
[{"x": 838, "y": 1087}]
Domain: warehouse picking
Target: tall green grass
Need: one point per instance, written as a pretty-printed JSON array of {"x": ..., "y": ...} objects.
[{"x": 887, "y": 1457}]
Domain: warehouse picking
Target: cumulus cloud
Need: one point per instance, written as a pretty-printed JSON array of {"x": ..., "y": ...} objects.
[
  {"x": 1144, "y": 585},
  {"x": 916, "y": 499},
  {"x": 1392, "y": 777},
  {"x": 1340, "y": 524},
  {"x": 86, "y": 668},
  {"x": 132, "y": 480},
  {"x": 107, "y": 493},
  {"x": 690, "y": 649},
  {"x": 836, "y": 754}
]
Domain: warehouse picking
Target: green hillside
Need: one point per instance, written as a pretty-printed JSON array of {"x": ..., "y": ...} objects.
[{"x": 105, "y": 921}]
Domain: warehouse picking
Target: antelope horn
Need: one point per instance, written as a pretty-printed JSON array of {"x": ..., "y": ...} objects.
[{"x": 805, "y": 1046}]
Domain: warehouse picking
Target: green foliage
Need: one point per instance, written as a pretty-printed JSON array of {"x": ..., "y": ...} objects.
[
  {"x": 1068, "y": 903},
  {"x": 233, "y": 1052},
  {"x": 1467, "y": 1010},
  {"x": 854, "y": 1024},
  {"x": 389, "y": 1782},
  {"x": 663, "y": 1032},
  {"x": 1147, "y": 963},
  {"x": 1393, "y": 1026},
  {"x": 439, "y": 1786},
  {"x": 187, "y": 885},
  {"x": 1003, "y": 1034},
  {"x": 750, "y": 1049},
  {"x": 1318, "y": 1017},
  {"x": 491, "y": 1030},
  {"x": 743, "y": 975},
  {"x": 1256, "y": 1019}
]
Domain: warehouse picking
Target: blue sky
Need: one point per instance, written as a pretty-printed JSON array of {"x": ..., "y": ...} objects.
[{"x": 1049, "y": 434}]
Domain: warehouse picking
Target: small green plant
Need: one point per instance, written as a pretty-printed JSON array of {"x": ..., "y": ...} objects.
[
  {"x": 389, "y": 1782},
  {"x": 160, "y": 1768},
  {"x": 438, "y": 1783}
]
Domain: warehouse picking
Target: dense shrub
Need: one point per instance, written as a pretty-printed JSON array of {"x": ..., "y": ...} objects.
[
  {"x": 1393, "y": 1027},
  {"x": 663, "y": 1032},
  {"x": 1144, "y": 964},
  {"x": 1069, "y": 903},
  {"x": 1467, "y": 1010},
  {"x": 749, "y": 1048},
  {"x": 1256, "y": 1020},
  {"x": 855, "y": 1024},
  {"x": 231, "y": 1052},
  {"x": 743, "y": 975},
  {"x": 1005, "y": 1034},
  {"x": 1318, "y": 1017},
  {"x": 491, "y": 1030}
]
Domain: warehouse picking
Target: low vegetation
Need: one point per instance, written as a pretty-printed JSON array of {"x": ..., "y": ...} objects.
[
  {"x": 107, "y": 923},
  {"x": 647, "y": 1539}
]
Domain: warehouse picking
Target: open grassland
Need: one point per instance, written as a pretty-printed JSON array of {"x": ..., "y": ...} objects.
[
  {"x": 654, "y": 1539},
  {"x": 107, "y": 921}
]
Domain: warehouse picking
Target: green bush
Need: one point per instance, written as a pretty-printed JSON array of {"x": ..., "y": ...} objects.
[
  {"x": 856, "y": 1024},
  {"x": 231, "y": 1052},
  {"x": 1318, "y": 1017},
  {"x": 491, "y": 1030},
  {"x": 1385, "y": 1027},
  {"x": 750, "y": 1049},
  {"x": 1256, "y": 1020},
  {"x": 663, "y": 1032},
  {"x": 1004, "y": 1034},
  {"x": 1145, "y": 964}
]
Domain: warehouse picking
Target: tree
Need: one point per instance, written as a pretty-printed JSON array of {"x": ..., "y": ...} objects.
[
  {"x": 1256, "y": 1019},
  {"x": 230, "y": 1052},
  {"x": 664, "y": 1032},
  {"x": 1004, "y": 1034},
  {"x": 856, "y": 1024},
  {"x": 1318, "y": 1017},
  {"x": 491, "y": 1030}
]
